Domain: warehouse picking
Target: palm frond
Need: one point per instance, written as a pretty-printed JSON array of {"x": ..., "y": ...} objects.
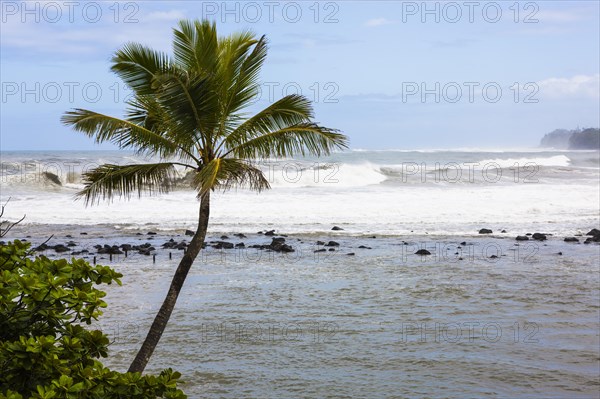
[
  {"x": 123, "y": 133},
  {"x": 245, "y": 88},
  {"x": 226, "y": 173},
  {"x": 138, "y": 66},
  {"x": 190, "y": 100},
  {"x": 108, "y": 180},
  {"x": 195, "y": 46},
  {"x": 302, "y": 138},
  {"x": 288, "y": 111}
]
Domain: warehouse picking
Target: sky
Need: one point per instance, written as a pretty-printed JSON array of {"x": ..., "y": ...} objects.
[{"x": 388, "y": 74}]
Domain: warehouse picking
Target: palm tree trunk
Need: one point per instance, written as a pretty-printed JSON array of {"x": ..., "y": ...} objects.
[{"x": 163, "y": 315}]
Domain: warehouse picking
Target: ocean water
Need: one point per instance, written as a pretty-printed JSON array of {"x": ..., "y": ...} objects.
[
  {"x": 382, "y": 192},
  {"x": 482, "y": 316}
]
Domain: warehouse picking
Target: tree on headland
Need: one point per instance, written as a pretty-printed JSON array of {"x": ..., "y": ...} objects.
[{"x": 191, "y": 110}]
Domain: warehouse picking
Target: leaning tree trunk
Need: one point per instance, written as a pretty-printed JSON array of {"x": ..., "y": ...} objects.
[{"x": 163, "y": 315}]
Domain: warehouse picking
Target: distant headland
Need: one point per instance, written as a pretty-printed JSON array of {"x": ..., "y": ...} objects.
[{"x": 577, "y": 139}]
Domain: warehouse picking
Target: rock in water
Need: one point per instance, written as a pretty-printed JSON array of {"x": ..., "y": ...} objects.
[
  {"x": 422, "y": 252},
  {"x": 336, "y": 228},
  {"x": 52, "y": 177},
  {"x": 278, "y": 245},
  {"x": 522, "y": 238},
  {"x": 485, "y": 231},
  {"x": 189, "y": 233},
  {"x": 593, "y": 232},
  {"x": 571, "y": 239},
  {"x": 539, "y": 236}
]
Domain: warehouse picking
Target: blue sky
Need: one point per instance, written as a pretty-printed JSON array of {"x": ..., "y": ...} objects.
[{"x": 389, "y": 74}]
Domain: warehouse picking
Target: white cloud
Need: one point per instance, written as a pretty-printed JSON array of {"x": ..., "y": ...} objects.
[
  {"x": 587, "y": 86},
  {"x": 558, "y": 16},
  {"x": 377, "y": 22},
  {"x": 172, "y": 15}
]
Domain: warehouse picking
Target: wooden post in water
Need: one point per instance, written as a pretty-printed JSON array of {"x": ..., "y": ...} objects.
[
  {"x": 170, "y": 256},
  {"x": 94, "y": 260},
  {"x": 125, "y": 253},
  {"x": 154, "y": 258},
  {"x": 110, "y": 257}
]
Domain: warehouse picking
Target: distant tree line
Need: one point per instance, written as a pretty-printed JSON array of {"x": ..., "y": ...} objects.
[{"x": 577, "y": 139}]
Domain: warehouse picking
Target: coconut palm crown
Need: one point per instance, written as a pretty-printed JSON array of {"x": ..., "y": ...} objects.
[{"x": 190, "y": 110}]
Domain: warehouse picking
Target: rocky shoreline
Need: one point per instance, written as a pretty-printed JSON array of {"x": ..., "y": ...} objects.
[{"x": 267, "y": 241}]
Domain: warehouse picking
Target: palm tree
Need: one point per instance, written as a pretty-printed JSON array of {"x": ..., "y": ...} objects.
[{"x": 190, "y": 110}]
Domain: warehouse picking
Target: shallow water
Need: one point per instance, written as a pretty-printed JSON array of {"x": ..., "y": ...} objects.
[{"x": 383, "y": 323}]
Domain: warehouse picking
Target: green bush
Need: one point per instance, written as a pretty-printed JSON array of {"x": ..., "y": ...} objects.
[{"x": 46, "y": 351}]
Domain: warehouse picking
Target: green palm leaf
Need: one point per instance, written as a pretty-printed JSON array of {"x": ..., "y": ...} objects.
[
  {"x": 123, "y": 133},
  {"x": 290, "y": 110},
  {"x": 301, "y": 138},
  {"x": 107, "y": 181},
  {"x": 225, "y": 173},
  {"x": 138, "y": 66}
]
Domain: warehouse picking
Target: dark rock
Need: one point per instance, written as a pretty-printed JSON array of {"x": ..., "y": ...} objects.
[
  {"x": 493, "y": 257},
  {"x": 336, "y": 228},
  {"x": 539, "y": 236},
  {"x": 278, "y": 245},
  {"x": 240, "y": 235},
  {"x": 138, "y": 234},
  {"x": 560, "y": 253},
  {"x": 528, "y": 234},
  {"x": 259, "y": 232},
  {"x": 68, "y": 236},
  {"x": 350, "y": 254},
  {"x": 223, "y": 244},
  {"x": 52, "y": 178},
  {"x": 320, "y": 243},
  {"x": 422, "y": 252},
  {"x": 151, "y": 233},
  {"x": 60, "y": 248},
  {"x": 71, "y": 244},
  {"x": 522, "y": 238},
  {"x": 83, "y": 233},
  {"x": 571, "y": 239},
  {"x": 592, "y": 239},
  {"x": 485, "y": 231},
  {"x": 593, "y": 232},
  {"x": 332, "y": 244},
  {"x": 270, "y": 233},
  {"x": 365, "y": 247},
  {"x": 189, "y": 233},
  {"x": 240, "y": 245},
  {"x": 41, "y": 247},
  {"x": 320, "y": 250},
  {"x": 463, "y": 243},
  {"x": 223, "y": 237},
  {"x": 373, "y": 236},
  {"x": 503, "y": 231},
  {"x": 331, "y": 249}
]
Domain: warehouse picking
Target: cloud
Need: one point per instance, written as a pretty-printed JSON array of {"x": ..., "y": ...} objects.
[
  {"x": 558, "y": 16},
  {"x": 172, "y": 15},
  {"x": 371, "y": 23},
  {"x": 587, "y": 86}
]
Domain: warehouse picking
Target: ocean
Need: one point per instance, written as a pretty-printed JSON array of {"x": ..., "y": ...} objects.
[{"x": 483, "y": 315}]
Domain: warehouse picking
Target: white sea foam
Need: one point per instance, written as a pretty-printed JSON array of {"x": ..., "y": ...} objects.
[{"x": 359, "y": 191}]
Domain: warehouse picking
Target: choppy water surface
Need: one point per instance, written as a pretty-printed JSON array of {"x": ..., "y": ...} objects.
[{"x": 380, "y": 324}]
